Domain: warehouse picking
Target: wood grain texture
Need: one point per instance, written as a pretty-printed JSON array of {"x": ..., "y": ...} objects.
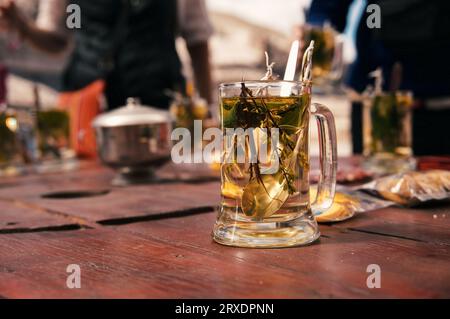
[
  {"x": 124, "y": 265},
  {"x": 122, "y": 203},
  {"x": 167, "y": 196},
  {"x": 16, "y": 217},
  {"x": 154, "y": 241},
  {"x": 427, "y": 225},
  {"x": 176, "y": 258},
  {"x": 334, "y": 267}
]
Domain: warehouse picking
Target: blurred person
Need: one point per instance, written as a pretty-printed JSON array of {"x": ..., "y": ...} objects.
[
  {"x": 415, "y": 33},
  {"x": 129, "y": 44},
  {"x": 25, "y": 60}
]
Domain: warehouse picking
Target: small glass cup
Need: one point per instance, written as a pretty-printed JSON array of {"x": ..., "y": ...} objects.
[
  {"x": 55, "y": 153},
  {"x": 266, "y": 202},
  {"x": 10, "y": 153},
  {"x": 387, "y": 133},
  {"x": 53, "y": 133},
  {"x": 327, "y": 61}
]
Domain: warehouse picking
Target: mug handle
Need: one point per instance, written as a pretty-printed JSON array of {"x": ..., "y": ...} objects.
[{"x": 328, "y": 158}]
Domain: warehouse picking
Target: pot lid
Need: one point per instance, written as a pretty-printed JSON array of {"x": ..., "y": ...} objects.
[{"x": 134, "y": 113}]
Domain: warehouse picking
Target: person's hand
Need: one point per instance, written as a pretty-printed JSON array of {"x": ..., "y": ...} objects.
[{"x": 11, "y": 18}]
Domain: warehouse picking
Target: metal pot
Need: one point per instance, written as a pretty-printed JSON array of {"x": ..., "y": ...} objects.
[{"x": 134, "y": 139}]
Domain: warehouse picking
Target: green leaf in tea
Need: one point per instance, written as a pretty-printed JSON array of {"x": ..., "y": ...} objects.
[{"x": 264, "y": 194}]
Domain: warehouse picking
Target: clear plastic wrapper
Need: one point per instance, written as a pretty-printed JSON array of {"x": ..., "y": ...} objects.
[
  {"x": 405, "y": 189},
  {"x": 412, "y": 188}
]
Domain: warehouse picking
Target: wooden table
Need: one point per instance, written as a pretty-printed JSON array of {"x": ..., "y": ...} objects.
[{"x": 154, "y": 241}]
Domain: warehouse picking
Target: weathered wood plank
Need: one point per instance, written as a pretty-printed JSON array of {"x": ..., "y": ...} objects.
[
  {"x": 175, "y": 258},
  {"x": 92, "y": 174},
  {"x": 167, "y": 196},
  {"x": 85, "y": 168},
  {"x": 123, "y": 203},
  {"x": 15, "y": 217},
  {"x": 334, "y": 267},
  {"x": 427, "y": 225},
  {"x": 120, "y": 264}
]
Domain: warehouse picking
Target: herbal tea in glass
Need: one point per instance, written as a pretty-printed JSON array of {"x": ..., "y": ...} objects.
[
  {"x": 387, "y": 132},
  {"x": 265, "y": 164}
]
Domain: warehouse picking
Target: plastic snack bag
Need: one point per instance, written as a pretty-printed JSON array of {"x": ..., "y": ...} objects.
[{"x": 413, "y": 188}]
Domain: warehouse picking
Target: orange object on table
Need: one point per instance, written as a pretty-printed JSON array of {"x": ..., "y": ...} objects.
[{"x": 83, "y": 106}]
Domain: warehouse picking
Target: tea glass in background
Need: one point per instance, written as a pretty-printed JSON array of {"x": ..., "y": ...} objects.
[
  {"x": 262, "y": 207},
  {"x": 188, "y": 107},
  {"x": 387, "y": 133},
  {"x": 52, "y": 133},
  {"x": 39, "y": 140},
  {"x": 53, "y": 137},
  {"x": 328, "y": 65},
  {"x": 10, "y": 154}
]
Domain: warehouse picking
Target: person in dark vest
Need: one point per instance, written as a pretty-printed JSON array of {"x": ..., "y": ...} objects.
[
  {"x": 128, "y": 43},
  {"x": 415, "y": 33}
]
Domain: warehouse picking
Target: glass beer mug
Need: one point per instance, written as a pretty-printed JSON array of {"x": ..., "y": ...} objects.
[
  {"x": 53, "y": 133},
  {"x": 266, "y": 199},
  {"x": 328, "y": 64},
  {"x": 387, "y": 132}
]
